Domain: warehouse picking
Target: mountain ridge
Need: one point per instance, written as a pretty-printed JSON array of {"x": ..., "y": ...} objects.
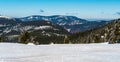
[
  {"x": 11, "y": 29},
  {"x": 71, "y": 23}
]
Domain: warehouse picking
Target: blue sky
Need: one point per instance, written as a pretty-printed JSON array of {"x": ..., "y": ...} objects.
[{"x": 91, "y": 9}]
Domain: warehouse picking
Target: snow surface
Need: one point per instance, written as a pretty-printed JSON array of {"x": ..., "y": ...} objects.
[
  {"x": 42, "y": 27},
  {"x": 1, "y": 25},
  {"x": 5, "y": 17},
  {"x": 10, "y": 52}
]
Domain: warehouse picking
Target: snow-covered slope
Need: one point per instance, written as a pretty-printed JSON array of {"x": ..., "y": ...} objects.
[
  {"x": 73, "y": 23},
  {"x": 9, "y": 28},
  {"x": 59, "y": 53},
  {"x": 5, "y": 17}
]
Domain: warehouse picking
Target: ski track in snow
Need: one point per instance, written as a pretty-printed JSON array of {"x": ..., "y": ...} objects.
[{"x": 13, "y": 52}]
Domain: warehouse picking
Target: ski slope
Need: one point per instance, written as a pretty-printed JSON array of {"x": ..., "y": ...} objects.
[{"x": 11, "y": 52}]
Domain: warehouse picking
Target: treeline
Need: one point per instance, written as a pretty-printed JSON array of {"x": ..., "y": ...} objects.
[{"x": 26, "y": 37}]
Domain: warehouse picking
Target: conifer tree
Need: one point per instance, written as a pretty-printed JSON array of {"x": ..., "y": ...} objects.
[
  {"x": 66, "y": 40},
  {"x": 24, "y": 37},
  {"x": 0, "y": 39}
]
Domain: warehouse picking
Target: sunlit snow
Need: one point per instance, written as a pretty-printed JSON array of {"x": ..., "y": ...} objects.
[{"x": 10, "y": 52}]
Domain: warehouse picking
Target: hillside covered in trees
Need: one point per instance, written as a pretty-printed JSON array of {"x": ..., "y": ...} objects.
[
  {"x": 108, "y": 33},
  {"x": 46, "y": 32}
]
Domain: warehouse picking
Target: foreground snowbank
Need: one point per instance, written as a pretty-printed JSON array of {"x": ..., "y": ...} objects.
[{"x": 10, "y": 52}]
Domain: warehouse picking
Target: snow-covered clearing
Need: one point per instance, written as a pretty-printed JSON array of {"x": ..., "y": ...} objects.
[{"x": 10, "y": 52}]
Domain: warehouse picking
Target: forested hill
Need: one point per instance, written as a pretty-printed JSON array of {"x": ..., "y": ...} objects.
[{"x": 108, "y": 33}]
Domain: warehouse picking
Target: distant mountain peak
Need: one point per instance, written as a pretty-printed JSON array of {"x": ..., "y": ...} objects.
[
  {"x": 6, "y": 17},
  {"x": 75, "y": 24},
  {"x": 53, "y": 18}
]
